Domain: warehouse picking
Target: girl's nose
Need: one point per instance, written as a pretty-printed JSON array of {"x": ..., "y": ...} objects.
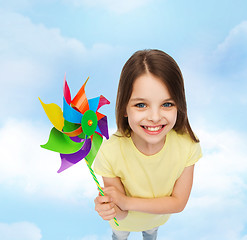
[{"x": 154, "y": 115}]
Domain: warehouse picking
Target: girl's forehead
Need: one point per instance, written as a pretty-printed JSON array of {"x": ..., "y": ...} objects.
[{"x": 149, "y": 85}]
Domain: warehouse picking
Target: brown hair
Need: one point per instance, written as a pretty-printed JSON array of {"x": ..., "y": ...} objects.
[{"x": 162, "y": 66}]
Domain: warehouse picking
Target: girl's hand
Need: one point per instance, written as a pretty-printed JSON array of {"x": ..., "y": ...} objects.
[
  {"x": 117, "y": 197},
  {"x": 105, "y": 207}
]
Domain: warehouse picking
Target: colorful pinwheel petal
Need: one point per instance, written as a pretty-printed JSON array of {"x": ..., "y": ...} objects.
[{"x": 79, "y": 129}]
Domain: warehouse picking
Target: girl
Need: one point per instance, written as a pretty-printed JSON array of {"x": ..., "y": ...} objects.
[{"x": 147, "y": 166}]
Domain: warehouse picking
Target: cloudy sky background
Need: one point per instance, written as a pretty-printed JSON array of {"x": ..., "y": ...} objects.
[{"x": 41, "y": 40}]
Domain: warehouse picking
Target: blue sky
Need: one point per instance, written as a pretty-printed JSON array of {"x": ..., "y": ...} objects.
[{"x": 41, "y": 40}]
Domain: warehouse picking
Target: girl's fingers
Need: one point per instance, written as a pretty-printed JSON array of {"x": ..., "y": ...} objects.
[
  {"x": 108, "y": 215},
  {"x": 104, "y": 207},
  {"x": 102, "y": 199}
]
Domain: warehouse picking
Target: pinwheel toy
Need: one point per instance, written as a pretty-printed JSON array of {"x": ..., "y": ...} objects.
[{"x": 78, "y": 130}]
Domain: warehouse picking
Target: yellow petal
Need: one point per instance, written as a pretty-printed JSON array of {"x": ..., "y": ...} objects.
[{"x": 55, "y": 114}]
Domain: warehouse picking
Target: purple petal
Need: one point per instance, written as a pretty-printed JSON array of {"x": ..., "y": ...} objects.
[
  {"x": 77, "y": 139},
  {"x": 102, "y": 124},
  {"x": 70, "y": 159}
]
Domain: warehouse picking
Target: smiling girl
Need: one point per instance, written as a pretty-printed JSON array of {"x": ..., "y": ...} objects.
[{"x": 147, "y": 166}]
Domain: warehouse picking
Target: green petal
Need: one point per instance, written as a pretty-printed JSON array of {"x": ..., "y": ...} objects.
[
  {"x": 70, "y": 127},
  {"x": 59, "y": 142},
  {"x": 97, "y": 141}
]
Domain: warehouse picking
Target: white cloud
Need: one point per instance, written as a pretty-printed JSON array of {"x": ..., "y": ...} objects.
[
  {"x": 29, "y": 51},
  {"x": 30, "y": 55},
  {"x": 106, "y": 235},
  {"x": 33, "y": 56},
  {"x": 102, "y": 236},
  {"x": 28, "y": 168},
  {"x": 221, "y": 173},
  {"x": 90, "y": 237},
  {"x": 230, "y": 56},
  {"x": 215, "y": 81},
  {"x": 219, "y": 192},
  {"x": 217, "y": 206},
  {"x": 20, "y": 231},
  {"x": 116, "y": 6},
  {"x": 12, "y": 4},
  {"x": 237, "y": 35}
]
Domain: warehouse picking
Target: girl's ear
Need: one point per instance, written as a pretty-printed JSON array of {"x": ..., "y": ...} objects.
[{"x": 125, "y": 115}]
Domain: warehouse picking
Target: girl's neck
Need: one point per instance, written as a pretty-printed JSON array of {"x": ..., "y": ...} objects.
[{"x": 146, "y": 148}]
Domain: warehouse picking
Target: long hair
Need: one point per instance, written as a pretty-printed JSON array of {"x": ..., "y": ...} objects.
[{"x": 165, "y": 68}]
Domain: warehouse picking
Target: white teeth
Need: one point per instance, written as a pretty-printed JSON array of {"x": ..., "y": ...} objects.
[{"x": 153, "y": 129}]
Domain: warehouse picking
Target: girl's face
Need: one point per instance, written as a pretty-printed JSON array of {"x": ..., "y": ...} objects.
[{"x": 151, "y": 113}]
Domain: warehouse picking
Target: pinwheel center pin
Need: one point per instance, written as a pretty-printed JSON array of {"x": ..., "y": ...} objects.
[{"x": 89, "y": 122}]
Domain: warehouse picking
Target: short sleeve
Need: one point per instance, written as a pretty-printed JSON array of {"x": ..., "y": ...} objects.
[
  {"x": 195, "y": 154},
  {"x": 102, "y": 167}
]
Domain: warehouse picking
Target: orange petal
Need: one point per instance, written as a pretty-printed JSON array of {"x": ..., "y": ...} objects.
[
  {"x": 74, "y": 133},
  {"x": 99, "y": 115},
  {"x": 80, "y": 101}
]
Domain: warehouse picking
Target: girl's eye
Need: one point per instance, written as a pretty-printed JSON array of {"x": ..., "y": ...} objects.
[
  {"x": 140, "y": 105},
  {"x": 168, "y": 104}
]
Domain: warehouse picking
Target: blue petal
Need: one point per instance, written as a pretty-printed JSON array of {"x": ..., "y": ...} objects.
[
  {"x": 70, "y": 114},
  {"x": 93, "y": 103}
]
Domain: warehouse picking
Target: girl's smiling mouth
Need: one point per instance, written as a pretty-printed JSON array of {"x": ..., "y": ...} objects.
[{"x": 153, "y": 129}]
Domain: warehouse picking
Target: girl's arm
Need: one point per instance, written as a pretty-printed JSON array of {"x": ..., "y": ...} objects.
[
  {"x": 163, "y": 205},
  {"x": 104, "y": 204},
  {"x": 116, "y": 182}
]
